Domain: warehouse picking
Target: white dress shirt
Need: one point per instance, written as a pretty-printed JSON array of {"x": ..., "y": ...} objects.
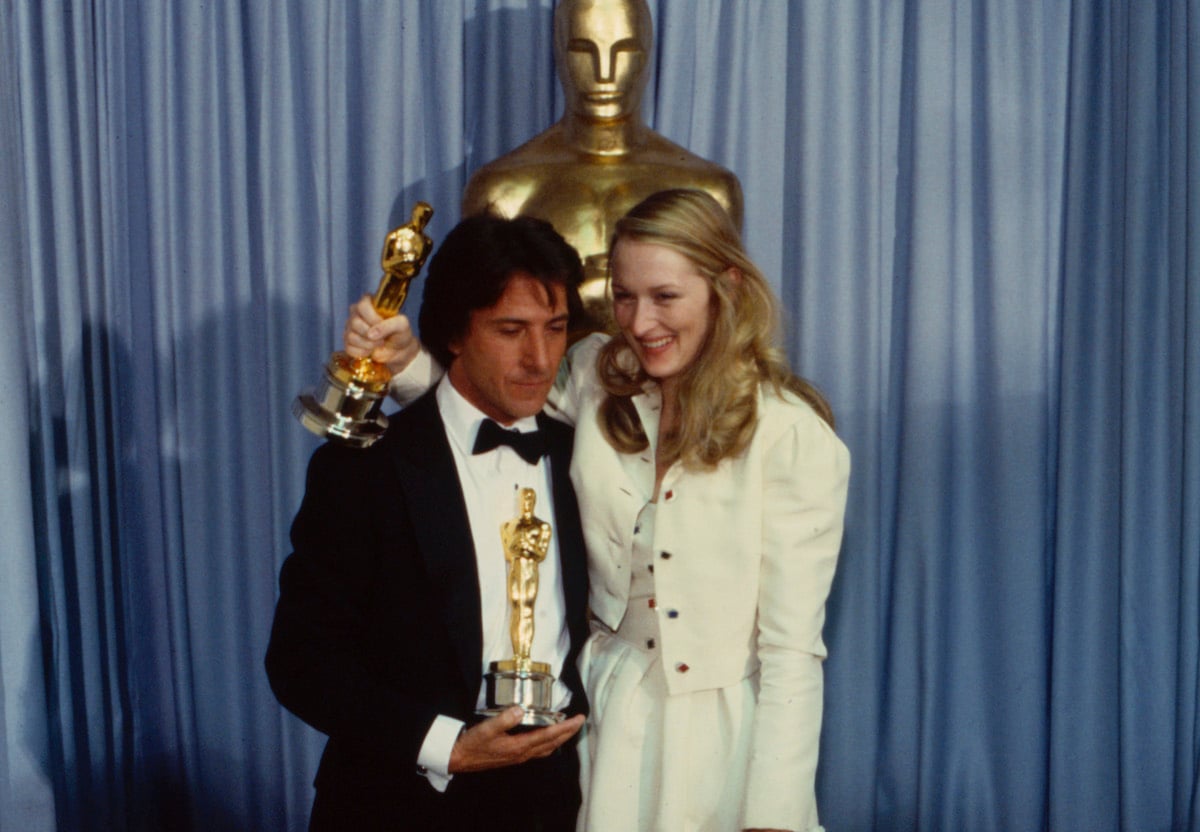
[{"x": 490, "y": 484}]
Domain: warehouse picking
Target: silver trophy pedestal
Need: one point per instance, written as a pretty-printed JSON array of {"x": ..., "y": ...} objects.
[
  {"x": 529, "y": 685},
  {"x": 341, "y": 409}
]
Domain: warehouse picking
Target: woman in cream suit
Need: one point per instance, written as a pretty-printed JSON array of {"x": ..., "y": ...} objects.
[{"x": 712, "y": 490}]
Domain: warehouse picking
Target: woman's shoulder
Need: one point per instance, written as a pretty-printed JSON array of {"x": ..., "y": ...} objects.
[
  {"x": 588, "y": 346},
  {"x": 580, "y": 360},
  {"x": 784, "y": 406},
  {"x": 576, "y": 383},
  {"x": 785, "y": 412}
]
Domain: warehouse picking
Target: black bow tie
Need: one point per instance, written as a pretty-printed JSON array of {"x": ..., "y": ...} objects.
[{"x": 531, "y": 446}]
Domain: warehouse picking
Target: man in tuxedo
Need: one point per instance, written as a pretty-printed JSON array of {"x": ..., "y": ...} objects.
[{"x": 394, "y": 600}]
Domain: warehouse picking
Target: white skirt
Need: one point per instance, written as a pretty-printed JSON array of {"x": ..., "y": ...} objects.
[{"x": 651, "y": 761}]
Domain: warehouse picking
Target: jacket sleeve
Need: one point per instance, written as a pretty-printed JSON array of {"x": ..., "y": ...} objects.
[
  {"x": 806, "y": 475},
  {"x": 323, "y": 658},
  {"x": 410, "y": 383}
]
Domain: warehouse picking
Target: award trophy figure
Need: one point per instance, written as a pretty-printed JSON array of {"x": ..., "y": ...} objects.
[
  {"x": 345, "y": 405},
  {"x": 520, "y": 680},
  {"x": 600, "y": 159}
]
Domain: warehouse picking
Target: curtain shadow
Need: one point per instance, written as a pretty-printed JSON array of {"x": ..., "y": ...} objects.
[
  {"x": 82, "y": 620},
  {"x": 119, "y": 655}
]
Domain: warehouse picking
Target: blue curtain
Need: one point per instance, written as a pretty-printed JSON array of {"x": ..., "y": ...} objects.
[{"x": 981, "y": 218}]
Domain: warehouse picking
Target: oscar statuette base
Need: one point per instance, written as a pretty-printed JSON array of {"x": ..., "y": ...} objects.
[
  {"x": 529, "y": 685},
  {"x": 342, "y": 407}
]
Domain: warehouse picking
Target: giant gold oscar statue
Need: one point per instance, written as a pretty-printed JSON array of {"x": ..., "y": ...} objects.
[
  {"x": 520, "y": 680},
  {"x": 600, "y": 159},
  {"x": 345, "y": 405}
]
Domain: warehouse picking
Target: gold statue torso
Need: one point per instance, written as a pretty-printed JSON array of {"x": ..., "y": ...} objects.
[
  {"x": 526, "y": 541},
  {"x": 405, "y": 250},
  {"x": 583, "y": 194},
  {"x": 599, "y": 160}
]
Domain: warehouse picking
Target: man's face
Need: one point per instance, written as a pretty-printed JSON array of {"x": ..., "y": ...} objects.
[
  {"x": 601, "y": 56},
  {"x": 506, "y": 362}
]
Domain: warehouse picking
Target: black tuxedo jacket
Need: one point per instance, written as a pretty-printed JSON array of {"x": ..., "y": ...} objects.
[{"x": 378, "y": 629}]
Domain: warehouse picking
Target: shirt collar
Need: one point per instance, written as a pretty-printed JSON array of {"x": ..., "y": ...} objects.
[{"x": 462, "y": 419}]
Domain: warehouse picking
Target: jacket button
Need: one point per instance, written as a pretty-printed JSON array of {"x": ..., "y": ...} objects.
[
  {"x": 670, "y": 495},
  {"x": 650, "y": 643},
  {"x": 672, "y": 613},
  {"x": 682, "y": 668},
  {"x": 666, "y": 555},
  {"x": 651, "y": 603}
]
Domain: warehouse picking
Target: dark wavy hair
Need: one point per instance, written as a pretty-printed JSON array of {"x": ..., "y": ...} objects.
[{"x": 472, "y": 267}]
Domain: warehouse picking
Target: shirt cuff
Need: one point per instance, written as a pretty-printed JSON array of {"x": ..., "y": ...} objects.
[
  {"x": 421, "y": 373},
  {"x": 433, "y": 760}
]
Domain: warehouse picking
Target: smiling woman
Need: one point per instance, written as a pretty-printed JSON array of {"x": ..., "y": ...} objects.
[
  {"x": 699, "y": 317},
  {"x": 713, "y": 490},
  {"x": 663, "y": 306}
]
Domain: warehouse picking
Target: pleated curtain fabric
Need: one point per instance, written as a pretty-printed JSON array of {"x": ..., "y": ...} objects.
[{"x": 980, "y": 219}]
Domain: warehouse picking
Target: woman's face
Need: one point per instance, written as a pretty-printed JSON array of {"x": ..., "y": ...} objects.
[{"x": 662, "y": 305}]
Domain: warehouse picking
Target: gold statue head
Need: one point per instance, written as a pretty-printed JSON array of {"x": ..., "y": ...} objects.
[
  {"x": 601, "y": 50},
  {"x": 527, "y": 499},
  {"x": 421, "y": 214},
  {"x": 405, "y": 248}
]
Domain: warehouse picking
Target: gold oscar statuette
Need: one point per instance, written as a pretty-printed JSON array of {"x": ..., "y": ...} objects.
[
  {"x": 520, "y": 680},
  {"x": 584, "y": 172},
  {"x": 345, "y": 405}
]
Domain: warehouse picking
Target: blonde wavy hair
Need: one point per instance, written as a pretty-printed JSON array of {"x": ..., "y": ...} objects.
[{"x": 718, "y": 401}]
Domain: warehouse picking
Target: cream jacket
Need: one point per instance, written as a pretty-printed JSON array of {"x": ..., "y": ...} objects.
[{"x": 745, "y": 558}]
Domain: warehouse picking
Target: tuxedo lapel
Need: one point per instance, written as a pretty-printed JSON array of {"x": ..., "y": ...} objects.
[{"x": 438, "y": 513}]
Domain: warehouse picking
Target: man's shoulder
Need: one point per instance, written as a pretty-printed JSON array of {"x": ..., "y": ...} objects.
[
  {"x": 414, "y": 430},
  {"x": 420, "y": 414},
  {"x": 411, "y": 432}
]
